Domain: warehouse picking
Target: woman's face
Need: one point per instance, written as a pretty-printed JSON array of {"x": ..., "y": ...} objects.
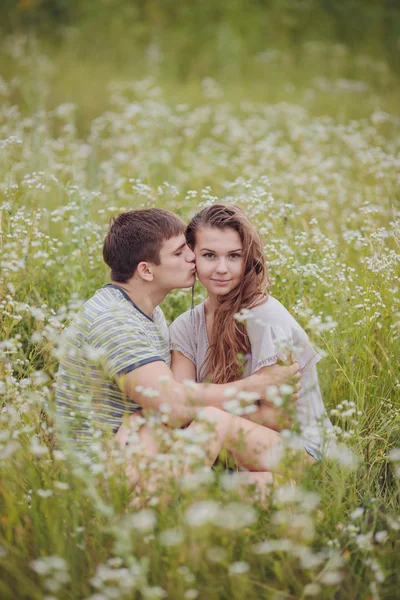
[{"x": 219, "y": 259}]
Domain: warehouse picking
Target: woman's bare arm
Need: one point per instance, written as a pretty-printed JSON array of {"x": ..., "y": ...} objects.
[{"x": 182, "y": 368}]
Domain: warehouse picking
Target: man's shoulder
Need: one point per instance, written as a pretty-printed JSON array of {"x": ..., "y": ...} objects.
[
  {"x": 159, "y": 320},
  {"x": 158, "y": 314},
  {"x": 102, "y": 300},
  {"x": 107, "y": 305}
]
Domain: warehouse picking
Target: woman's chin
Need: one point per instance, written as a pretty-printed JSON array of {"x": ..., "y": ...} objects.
[{"x": 219, "y": 290}]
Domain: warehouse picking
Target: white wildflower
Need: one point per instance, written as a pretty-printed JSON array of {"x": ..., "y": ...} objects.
[
  {"x": 216, "y": 554},
  {"x": 230, "y": 392},
  {"x": 199, "y": 478},
  {"x": 191, "y": 594},
  {"x": 381, "y": 536},
  {"x": 144, "y": 520},
  {"x": 61, "y": 485},
  {"x": 394, "y": 455},
  {"x": 45, "y": 493},
  {"x": 202, "y": 513},
  {"x": 344, "y": 456},
  {"x": 239, "y": 568},
  {"x": 312, "y": 589},
  {"x": 331, "y": 578},
  {"x": 152, "y": 593},
  {"x": 236, "y": 516},
  {"x": 357, "y": 513},
  {"x": 189, "y": 383},
  {"x": 171, "y": 537},
  {"x": 282, "y": 545}
]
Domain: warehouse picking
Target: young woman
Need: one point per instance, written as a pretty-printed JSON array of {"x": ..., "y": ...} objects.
[{"x": 208, "y": 340}]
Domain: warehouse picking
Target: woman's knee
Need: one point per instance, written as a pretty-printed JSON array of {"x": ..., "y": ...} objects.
[{"x": 213, "y": 415}]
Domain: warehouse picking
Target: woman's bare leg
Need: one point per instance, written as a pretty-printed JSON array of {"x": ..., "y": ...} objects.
[
  {"x": 263, "y": 482},
  {"x": 268, "y": 417},
  {"x": 249, "y": 443}
]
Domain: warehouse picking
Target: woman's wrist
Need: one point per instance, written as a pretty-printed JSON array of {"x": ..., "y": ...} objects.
[{"x": 256, "y": 384}]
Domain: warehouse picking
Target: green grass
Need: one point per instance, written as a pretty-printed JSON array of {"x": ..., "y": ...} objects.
[{"x": 315, "y": 164}]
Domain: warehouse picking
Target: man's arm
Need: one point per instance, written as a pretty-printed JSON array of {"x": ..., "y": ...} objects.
[
  {"x": 270, "y": 416},
  {"x": 267, "y": 414},
  {"x": 153, "y": 385}
]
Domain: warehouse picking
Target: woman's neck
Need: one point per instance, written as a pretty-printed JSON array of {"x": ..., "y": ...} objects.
[{"x": 211, "y": 304}]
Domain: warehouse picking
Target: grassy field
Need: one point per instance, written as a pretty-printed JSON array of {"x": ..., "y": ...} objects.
[{"x": 311, "y": 151}]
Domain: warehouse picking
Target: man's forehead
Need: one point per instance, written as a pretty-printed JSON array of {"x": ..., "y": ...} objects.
[{"x": 174, "y": 243}]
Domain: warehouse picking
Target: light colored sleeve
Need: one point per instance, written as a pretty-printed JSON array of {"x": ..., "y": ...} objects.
[
  {"x": 120, "y": 343},
  {"x": 262, "y": 337},
  {"x": 311, "y": 413},
  {"x": 271, "y": 342},
  {"x": 182, "y": 337}
]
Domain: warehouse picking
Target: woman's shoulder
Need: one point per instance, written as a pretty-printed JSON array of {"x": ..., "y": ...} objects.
[
  {"x": 273, "y": 314},
  {"x": 271, "y": 322},
  {"x": 271, "y": 309}
]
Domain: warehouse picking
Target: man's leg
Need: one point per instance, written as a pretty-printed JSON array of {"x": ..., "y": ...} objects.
[{"x": 147, "y": 441}]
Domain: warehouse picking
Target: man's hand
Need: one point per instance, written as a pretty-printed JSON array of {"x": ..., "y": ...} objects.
[{"x": 276, "y": 375}]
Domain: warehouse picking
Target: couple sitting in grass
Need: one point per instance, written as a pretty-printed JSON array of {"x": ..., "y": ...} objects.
[{"x": 121, "y": 361}]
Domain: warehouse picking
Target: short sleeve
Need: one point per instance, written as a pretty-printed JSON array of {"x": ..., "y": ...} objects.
[
  {"x": 264, "y": 350},
  {"x": 271, "y": 342},
  {"x": 121, "y": 341},
  {"x": 182, "y": 337}
]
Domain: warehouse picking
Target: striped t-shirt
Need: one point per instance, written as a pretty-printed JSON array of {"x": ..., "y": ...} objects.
[{"x": 110, "y": 337}]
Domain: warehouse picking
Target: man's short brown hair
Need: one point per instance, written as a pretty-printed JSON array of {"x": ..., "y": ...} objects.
[{"x": 137, "y": 236}]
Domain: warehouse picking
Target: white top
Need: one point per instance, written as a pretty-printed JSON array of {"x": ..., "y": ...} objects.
[{"x": 273, "y": 333}]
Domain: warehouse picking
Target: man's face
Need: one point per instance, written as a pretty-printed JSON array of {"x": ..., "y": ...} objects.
[{"x": 177, "y": 268}]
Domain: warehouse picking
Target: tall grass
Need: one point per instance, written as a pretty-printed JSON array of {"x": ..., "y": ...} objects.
[{"x": 315, "y": 164}]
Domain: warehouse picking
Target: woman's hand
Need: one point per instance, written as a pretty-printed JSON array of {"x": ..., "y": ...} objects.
[{"x": 275, "y": 375}]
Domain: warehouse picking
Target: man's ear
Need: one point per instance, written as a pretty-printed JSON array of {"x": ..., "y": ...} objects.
[{"x": 144, "y": 271}]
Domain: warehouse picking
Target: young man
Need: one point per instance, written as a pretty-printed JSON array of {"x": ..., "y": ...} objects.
[{"x": 116, "y": 359}]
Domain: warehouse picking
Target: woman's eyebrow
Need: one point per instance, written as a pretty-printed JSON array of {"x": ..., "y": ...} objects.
[{"x": 214, "y": 252}]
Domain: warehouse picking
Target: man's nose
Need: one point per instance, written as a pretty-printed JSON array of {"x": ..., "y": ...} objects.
[{"x": 190, "y": 255}]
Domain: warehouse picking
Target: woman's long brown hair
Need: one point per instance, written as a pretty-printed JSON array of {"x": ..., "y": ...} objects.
[{"x": 222, "y": 362}]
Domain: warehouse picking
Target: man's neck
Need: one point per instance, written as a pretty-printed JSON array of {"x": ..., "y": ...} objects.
[{"x": 145, "y": 299}]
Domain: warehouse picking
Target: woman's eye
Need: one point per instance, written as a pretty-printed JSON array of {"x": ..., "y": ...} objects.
[
  {"x": 208, "y": 255},
  {"x": 235, "y": 255}
]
